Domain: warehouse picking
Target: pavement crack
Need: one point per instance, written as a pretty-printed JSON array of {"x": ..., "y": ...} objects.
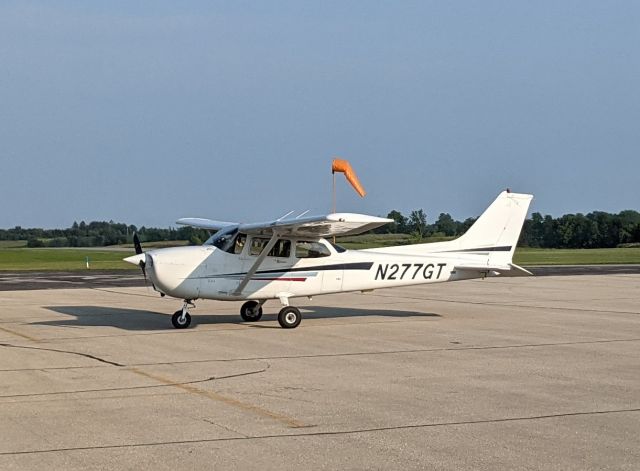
[
  {"x": 398, "y": 352},
  {"x": 228, "y": 400},
  {"x": 327, "y": 433},
  {"x": 319, "y": 355},
  {"x": 165, "y": 384},
  {"x": 69, "y": 352},
  {"x": 228, "y": 429},
  {"x": 19, "y": 334}
]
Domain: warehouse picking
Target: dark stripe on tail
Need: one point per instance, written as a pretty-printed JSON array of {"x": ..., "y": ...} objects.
[{"x": 504, "y": 248}]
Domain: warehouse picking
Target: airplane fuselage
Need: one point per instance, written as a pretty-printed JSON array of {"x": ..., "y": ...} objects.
[
  {"x": 288, "y": 258},
  {"x": 207, "y": 272}
]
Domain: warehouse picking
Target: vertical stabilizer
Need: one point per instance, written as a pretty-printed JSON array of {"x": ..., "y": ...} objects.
[
  {"x": 498, "y": 229},
  {"x": 490, "y": 242}
]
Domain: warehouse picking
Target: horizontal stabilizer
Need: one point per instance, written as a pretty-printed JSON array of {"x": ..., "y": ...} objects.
[
  {"x": 510, "y": 270},
  {"x": 519, "y": 271}
]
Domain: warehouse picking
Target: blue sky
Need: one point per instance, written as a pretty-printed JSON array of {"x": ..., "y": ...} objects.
[{"x": 144, "y": 112}]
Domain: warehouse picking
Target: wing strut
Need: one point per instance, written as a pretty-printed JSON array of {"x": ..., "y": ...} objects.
[{"x": 252, "y": 271}]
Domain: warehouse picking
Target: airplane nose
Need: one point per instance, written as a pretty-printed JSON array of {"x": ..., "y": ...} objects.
[
  {"x": 161, "y": 271},
  {"x": 150, "y": 266},
  {"x": 171, "y": 271},
  {"x": 152, "y": 275}
]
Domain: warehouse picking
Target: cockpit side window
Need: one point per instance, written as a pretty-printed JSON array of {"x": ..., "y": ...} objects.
[
  {"x": 307, "y": 249},
  {"x": 339, "y": 248},
  {"x": 239, "y": 244},
  {"x": 257, "y": 244},
  {"x": 282, "y": 249}
]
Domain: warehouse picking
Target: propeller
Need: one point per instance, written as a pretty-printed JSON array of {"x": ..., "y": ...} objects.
[
  {"x": 142, "y": 264},
  {"x": 136, "y": 243}
]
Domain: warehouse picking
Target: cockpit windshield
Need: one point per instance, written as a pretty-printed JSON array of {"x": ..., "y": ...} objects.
[{"x": 224, "y": 239}]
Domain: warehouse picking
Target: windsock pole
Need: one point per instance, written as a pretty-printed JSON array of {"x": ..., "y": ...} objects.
[
  {"x": 334, "y": 191},
  {"x": 333, "y": 173}
]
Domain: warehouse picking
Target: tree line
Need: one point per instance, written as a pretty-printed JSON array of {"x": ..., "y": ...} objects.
[
  {"x": 578, "y": 231},
  {"x": 597, "y": 229},
  {"x": 100, "y": 234},
  {"x": 594, "y": 230}
]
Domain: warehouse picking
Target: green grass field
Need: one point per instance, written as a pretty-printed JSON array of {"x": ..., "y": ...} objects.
[
  {"x": 533, "y": 257},
  {"x": 15, "y": 256},
  {"x": 74, "y": 259},
  {"x": 62, "y": 259},
  {"x": 12, "y": 244}
]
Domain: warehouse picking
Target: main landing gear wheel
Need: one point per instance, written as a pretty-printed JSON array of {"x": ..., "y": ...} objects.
[
  {"x": 251, "y": 311},
  {"x": 179, "y": 321},
  {"x": 289, "y": 317}
]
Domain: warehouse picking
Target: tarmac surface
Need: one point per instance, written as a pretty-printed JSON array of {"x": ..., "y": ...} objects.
[
  {"x": 522, "y": 373},
  {"x": 29, "y": 280}
]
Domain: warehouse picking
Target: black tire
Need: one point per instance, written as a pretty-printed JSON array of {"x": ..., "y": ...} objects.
[
  {"x": 175, "y": 320},
  {"x": 251, "y": 311},
  {"x": 289, "y": 317}
]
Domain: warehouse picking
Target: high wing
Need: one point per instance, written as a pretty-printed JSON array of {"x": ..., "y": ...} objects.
[
  {"x": 205, "y": 223},
  {"x": 310, "y": 226}
]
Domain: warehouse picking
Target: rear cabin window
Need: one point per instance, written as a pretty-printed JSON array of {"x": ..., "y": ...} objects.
[
  {"x": 282, "y": 249},
  {"x": 306, "y": 249}
]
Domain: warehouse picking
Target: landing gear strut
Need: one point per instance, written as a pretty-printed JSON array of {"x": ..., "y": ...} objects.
[
  {"x": 251, "y": 311},
  {"x": 181, "y": 319}
]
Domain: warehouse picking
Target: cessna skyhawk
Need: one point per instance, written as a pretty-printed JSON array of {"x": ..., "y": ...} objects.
[{"x": 289, "y": 258}]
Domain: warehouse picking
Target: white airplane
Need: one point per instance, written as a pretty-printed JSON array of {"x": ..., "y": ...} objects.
[{"x": 285, "y": 259}]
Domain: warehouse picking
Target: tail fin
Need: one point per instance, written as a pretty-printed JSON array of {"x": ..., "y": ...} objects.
[
  {"x": 498, "y": 229},
  {"x": 491, "y": 240}
]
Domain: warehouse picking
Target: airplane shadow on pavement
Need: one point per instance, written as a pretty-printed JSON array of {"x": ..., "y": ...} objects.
[{"x": 134, "y": 319}]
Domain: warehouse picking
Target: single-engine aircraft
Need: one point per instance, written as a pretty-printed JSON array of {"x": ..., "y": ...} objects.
[{"x": 290, "y": 258}]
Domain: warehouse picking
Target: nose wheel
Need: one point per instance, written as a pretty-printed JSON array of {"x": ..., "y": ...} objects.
[
  {"x": 251, "y": 311},
  {"x": 289, "y": 317},
  {"x": 181, "y": 319}
]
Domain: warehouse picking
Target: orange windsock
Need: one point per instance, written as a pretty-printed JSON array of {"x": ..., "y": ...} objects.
[{"x": 343, "y": 166}]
